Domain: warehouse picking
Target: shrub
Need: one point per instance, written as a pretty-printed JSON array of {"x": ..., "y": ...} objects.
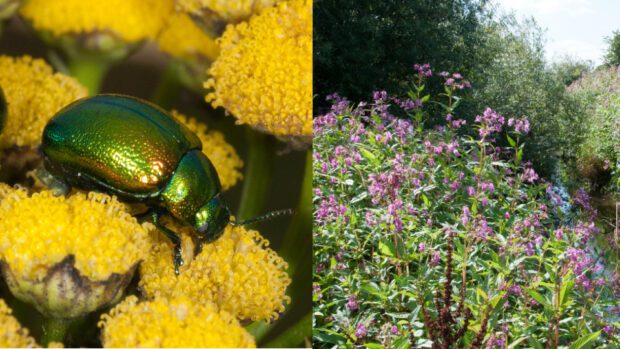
[
  {"x": 431, "y": 239},
  {"x": 599, "y": 93}
]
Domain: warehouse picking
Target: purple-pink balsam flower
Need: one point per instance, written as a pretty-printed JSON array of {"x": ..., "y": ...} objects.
[
  {"x": 421, "y": 247},
  {"x": 471, "y": 191},
  {"x": 352, "y": 304},
  {"x": 360, "y": 331},
  {"x": 394, "y": 330},
  {"x": 465, "y": 216},
  {"x": 490, "y": 121},
  {"x": 435, "y": 258},
  {"x": 529, "y": 175}
]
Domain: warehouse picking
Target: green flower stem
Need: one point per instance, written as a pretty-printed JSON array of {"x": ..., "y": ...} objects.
[
  {"x": 299, "y": 234},
  {"x": 294, "y": 334},
  {"x": 258, "y": 329},
  {"x": 259, "y": 168},
  {"x": 54, "y": 330},
  {"x": 89, "y": 71},
  {"x": 168, "y": 89}
]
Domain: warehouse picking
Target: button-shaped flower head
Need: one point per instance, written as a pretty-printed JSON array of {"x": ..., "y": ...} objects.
[
  {"x": 237, "y": 272},
  {"x": 263, "y": 75},
  {"x": 12, "y": 334},
  {"x": 213, "y": 15},
  {"x": 125, "y": 20},
  {"x": 171, "y": 323},
  {"x": 67, "y": 256},
  {"x": 34, "y": 93},
  {"x": 223, "y": 156},
  {"x": 192, "y": 49}
]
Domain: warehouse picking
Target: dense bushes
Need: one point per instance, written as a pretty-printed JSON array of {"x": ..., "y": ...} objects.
[
  {"x": 599, "y": 153},
  {"x": 427, "y": 238}
]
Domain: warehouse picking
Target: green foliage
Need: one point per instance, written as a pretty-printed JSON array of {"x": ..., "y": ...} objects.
[
  {"x": 613, "y": 52},
  {"x": 598, "y": 156},
  {"x": 366, "y": 45},
  {"x": 429, "y": 239}
]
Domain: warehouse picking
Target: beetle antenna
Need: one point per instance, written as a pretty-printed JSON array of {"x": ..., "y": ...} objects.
[{"x": 265, "y": 217}]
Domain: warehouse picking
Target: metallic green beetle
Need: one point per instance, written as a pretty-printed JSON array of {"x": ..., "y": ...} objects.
[{"x": 133, "y": 149}]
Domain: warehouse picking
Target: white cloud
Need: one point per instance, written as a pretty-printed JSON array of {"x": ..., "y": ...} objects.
[
  {"x": 587, "y": 50},
  {"x": 571, "y": 8}
]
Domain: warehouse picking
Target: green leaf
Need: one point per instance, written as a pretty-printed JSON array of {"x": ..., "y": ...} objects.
[
  {"x": 369, "y": 156},
  {"x": 540, "y": 299},
  {"x": 374, "y": 346},
  {"x": 387, "y": 248},
  {"x": 536, "y": 344},
  {"x": 425, "y": 98},
  {"x": 401, "y": 343},
  {"x": 511, "y": 141},
  {"x": 585, "y": 340},
  {"x": 332, "y": 337}
]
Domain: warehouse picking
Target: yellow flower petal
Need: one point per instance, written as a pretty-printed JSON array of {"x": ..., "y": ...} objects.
[
  {"x": 229, "y": 11},
  {"x": 263, "y": 75},
  {"x": 237, "y": 272},
  {"x": 182, "y": 39},
  {"x": 12, "y": 334},
  {"x": 41, "y": 230},
  {"x": 179, "y": 322},
  {"x": 132, "y": 20},
  {"x": 34, "y": 93},
  {"x": 223, "y": 156}
]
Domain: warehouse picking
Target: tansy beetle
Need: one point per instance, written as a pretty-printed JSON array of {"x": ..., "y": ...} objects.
[{"x": 131, "y": 148}]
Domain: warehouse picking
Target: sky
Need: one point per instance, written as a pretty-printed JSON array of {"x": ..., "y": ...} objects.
[{"x": 575, "y": 28}]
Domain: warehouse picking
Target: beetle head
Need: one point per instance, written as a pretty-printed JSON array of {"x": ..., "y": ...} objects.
[{"x": 212, "y": 218}]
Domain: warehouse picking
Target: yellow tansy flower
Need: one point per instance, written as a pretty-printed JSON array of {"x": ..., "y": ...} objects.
[
  {"x": 183, "y": 39},
  {"x": 130, "y": 20},
  {"x": 191, "y": 48},
  {"x": 237, "y": 272},
  {"x": 12, "y": 334},
  {"x": 225, "y": 159},
  {"x": 163, "y": 323},
  {"x": 229, "y": 11},
  {"x": 263, "y": 75},
  {"x": 34, "y": 93},
  {"x": 68, "y": 255}
]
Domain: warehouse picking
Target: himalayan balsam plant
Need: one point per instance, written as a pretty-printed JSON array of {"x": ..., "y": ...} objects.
[{"x": 428, "y": 239}]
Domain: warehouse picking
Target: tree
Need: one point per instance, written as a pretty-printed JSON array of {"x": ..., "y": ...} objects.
[
  {"x": 613, "y": 51},
  {"x": 363, "y": 45}
]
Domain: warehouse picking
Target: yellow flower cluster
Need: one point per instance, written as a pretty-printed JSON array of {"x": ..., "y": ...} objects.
[
  {"x": 34, "y": 93},
  {"x": 263, "y": 75},
  {"x": 12, "y": 334},
  {"x": 164, "y": 323},
  {"x": 237, "y": 272},
  {"x": 223, "y": 155},
  {"x": 131, "y": 20},
  {"x": 41, "y": 230},
  {"x": 183, "y": 39},
  {"x": 229, "y": 11}
]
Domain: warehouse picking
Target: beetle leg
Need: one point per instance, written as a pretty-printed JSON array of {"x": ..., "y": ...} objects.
[
  {"x": 57, "y": 186},
  {"x": 198, "y": 247},
  {"x": 176, "y": 240}
]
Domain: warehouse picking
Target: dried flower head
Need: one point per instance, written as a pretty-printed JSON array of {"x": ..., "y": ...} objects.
[
  {"x": 34, "y": 93},
  {"x": 263, "y": 75},
  {"x": 225, "y": 159},
  {"x": 67, "y": 255},
  {"x": 238, "y": 273},
  {"x": 170, "y": 323},
  {"x": 12, "y": 334},
  {"x": 129, "y": 20}
]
